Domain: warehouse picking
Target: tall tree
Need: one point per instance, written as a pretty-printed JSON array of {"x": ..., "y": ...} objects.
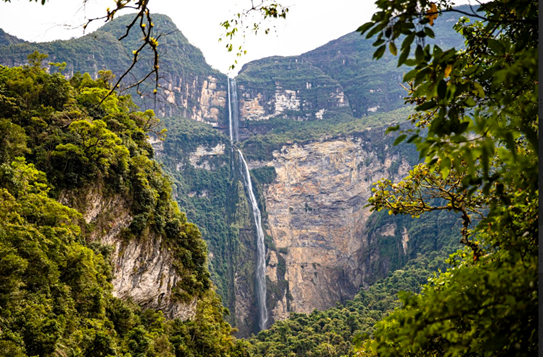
[{"x": 476, "y": 126}]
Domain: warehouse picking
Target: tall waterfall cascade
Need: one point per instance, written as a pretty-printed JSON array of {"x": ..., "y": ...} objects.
[
  {"x": 233, "y": 110},
  {"x": 233, "y": 121}
]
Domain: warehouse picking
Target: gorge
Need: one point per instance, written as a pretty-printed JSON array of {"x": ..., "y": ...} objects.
[
  {"x": 275, "y": 167},
  {"x": 304, "y": 208}
]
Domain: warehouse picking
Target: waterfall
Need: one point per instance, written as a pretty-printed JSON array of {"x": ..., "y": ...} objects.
[
  {"x": 261, "y": 249},
  {"x": 233, "y": 110},
  {"x": 233, "y": 120}
]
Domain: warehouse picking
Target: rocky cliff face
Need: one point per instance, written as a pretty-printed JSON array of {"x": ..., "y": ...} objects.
[
  {"x": 318, "y": 222},
  {"x": 322, "y": 243},
  {"x": 288, "y": 87},
  {"x": 142, "y": 268}
]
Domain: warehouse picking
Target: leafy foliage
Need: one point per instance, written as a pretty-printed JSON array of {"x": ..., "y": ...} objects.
[
  {"x": 266, "y": 9},
  {"x": 59, "y": 137},
  {"x": 480, "y": 109}
]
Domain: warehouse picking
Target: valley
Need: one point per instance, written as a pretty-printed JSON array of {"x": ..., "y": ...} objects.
[
  {"x": 249, "y": 227},
  {"x": 321, "y": 242}
]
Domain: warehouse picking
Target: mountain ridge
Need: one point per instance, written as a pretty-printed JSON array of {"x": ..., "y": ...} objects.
[
  {"x": 189, "y": 86},
  {"x": 6, "y": 39}
]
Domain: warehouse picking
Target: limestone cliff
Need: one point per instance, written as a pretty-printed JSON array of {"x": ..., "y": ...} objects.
[
  {"x": 322, "y": 243},
  {"x": 317, "y": 219},
  {"x": 288, "y": 87}
]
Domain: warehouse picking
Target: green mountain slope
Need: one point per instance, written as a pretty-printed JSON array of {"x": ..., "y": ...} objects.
[
  {"x": 366, "y": 82},
  {"x": 344, "y": 65},
  {"x": 58, "y": 293},
  {"x": 6, "y": 39}
]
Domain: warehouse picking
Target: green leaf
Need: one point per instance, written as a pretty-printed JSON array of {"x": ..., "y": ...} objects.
[
  {"x": 419, "y": 53},
  {"x": 429, "y": 32},
  {"x": 375, "y": 30},
  {"x": 365, "y": 27},
  {"x": 469, "y": 102},
  {"x": 410, "y": 75},
  {"x": 479, "y": 89},
  {"x": 392, "y": 48},
  {"x": 422, "y": 76},
  {"x": 378, "y": 43},
  {"x": 379, "y": 52},
  {"x": 399, "y": 139},
  {"x": 445, "y": 167},
  {"x": 496, "y": 47},
  {"x": 403, "y": 56},
  {"x": 408, "y": 41},
  {"x": 392, "y": 128},
  {"x": 442, "y": 89},
  {"x": 412, "y": 138},
  {"x": 462, "y": 127},
  {"x": 426, "y": 106}
]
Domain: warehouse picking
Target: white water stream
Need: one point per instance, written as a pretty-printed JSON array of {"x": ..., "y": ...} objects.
[{"x": 233, "y": 118}]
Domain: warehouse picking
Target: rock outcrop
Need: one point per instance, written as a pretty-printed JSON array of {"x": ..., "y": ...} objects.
[
  {"x": 142, "y": 268},
  {"x": 288, "y": 87}
]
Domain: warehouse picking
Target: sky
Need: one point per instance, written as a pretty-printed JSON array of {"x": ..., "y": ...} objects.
[{"x": 309, "y": 24}]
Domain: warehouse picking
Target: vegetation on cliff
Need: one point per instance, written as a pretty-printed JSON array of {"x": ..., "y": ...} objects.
[
  {"x": 271, "y": 135},
  {"x": 56, "y": 297},
  {"x": 202, "y": 189}
]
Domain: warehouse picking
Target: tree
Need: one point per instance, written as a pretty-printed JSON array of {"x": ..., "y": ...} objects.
[
  {"x": 476, "y": 127},
  {"x": 56, "y": 296}
]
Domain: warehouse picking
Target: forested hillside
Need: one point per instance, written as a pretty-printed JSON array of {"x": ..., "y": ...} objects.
[
  {"x": 331, "y": 332},
  {"x": 57, "y": 138},
  {"x": 6, "y": 39}
]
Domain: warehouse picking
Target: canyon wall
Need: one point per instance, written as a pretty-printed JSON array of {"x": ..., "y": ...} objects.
[
  {"x": 316, "y": 216},
  {"x": 288, "y": 87},
  {"x": 322, "y": 243}
]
